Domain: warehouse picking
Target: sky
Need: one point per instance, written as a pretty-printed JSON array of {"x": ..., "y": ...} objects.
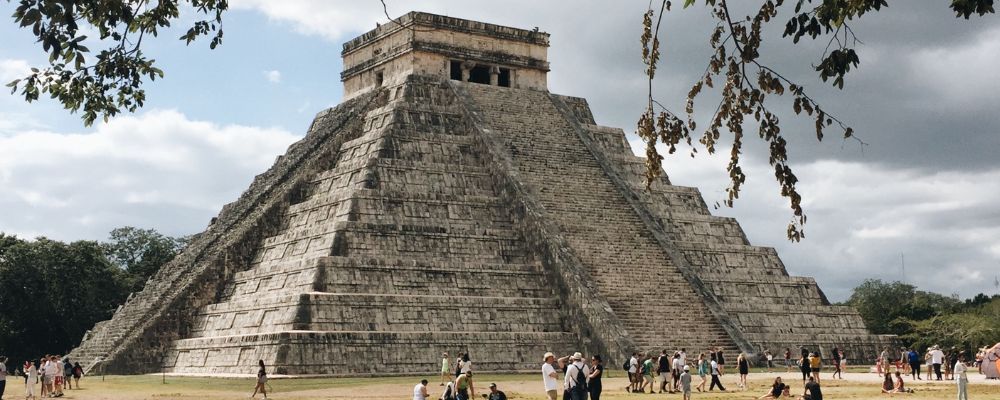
[{"x": 919, "y": 204}]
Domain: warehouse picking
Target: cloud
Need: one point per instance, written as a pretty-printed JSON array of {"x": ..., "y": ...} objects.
[
  {"x": 157, "y": 169},
  {"x": 11, "y": 69},
  {"x": 962, "y": 75},
  {"x": 331, "y": 20},
  {"x": 273, "y": 76}
]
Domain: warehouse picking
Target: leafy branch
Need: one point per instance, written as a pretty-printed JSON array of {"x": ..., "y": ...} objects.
[
  {"x": 109, "y": 81},
  {"x": 746, "y": 83}
]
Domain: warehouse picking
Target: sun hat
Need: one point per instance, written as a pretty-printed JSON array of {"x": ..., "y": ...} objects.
[
  {"x": 547, "y": 355},
  {"x": 577, "y": 356}
]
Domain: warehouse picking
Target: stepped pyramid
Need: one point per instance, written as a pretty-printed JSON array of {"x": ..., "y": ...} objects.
[{"x": 451, "y": 203}]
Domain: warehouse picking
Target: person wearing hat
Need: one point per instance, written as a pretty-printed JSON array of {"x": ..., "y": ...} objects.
[
  {"x": 445, "y": 367},
  {"x": 495, "y": 394},
  {"x": 575, "y": 381},
  {"x": 686, "y": 382},
  {"x": 550, "y": 376},
  {"x": 464, "y": 388},
  {"x": 937, "y": 358}
]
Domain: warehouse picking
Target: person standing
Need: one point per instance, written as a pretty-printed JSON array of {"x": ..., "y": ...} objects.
[
  {"x": 550, "y": 377},
  {"x": 715, "y": 377},
  {"x": 663, "y": 370},
  {"x": 466, "y": 363},
  {"x": 743, "y": 365},
  {"x": 722, "y": 361},
  {"x": 815, "y": 364},
  {"x": 575, "y": 380},
  {"x": 686, "y": 383},
  {"x": 261, "y": 381},
  {"x": 633, "y": 373},
  {"x": 788, "y": 360},
  {"x": 31, "y": 377},
  {"x": 937, "y": 358},
  {"x": 77, "y": 374},
  {"x": 913, "y": 358},
  {"x": 928, "y": 362},
  {"x": 67, "y": 368},
  {"x": 804, "y": 365},
  {"x": 768, "y": 357},
  {"x": 464, "y": 386},
  {"x": 678, "y": 367},
  {"x": 883, "y": 362},
  {"x": 702, "y": 371},
  {"x": 594, "y": 379},
  {"x": 3, "y": 375},
  {"x": 420, "y": 390},
  {"x": 961, "y": 378},
  {"x": 458, "y": 365}
]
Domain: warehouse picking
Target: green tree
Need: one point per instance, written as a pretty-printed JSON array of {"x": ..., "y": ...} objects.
[
  {"x": 880, "y": 303},
  {"x": 140, "y": 252},
  {"x": 52, "y": 293}
]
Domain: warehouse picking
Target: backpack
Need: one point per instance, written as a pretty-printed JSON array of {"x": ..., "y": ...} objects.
[
  {"x": 581, "y": 380},
  {"x": 627, "y": 364}
]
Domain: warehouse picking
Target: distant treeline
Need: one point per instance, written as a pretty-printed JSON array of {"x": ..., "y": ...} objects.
[
  {"x": 51, "y": 292},
  {"x": 923, "y": 319}
]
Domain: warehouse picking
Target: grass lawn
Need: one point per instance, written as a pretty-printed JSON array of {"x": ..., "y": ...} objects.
[{"x": 856, "y": 385}]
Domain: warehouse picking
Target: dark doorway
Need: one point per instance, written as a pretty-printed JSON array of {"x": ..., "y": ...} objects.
[
  {"x": 456, "y": 70},
  {"x": 480, "y": 74},
  {"x": 504, "y": 78}
]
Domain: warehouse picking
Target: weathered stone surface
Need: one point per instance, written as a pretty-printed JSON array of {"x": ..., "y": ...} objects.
[{"x": 427, "y": 214}]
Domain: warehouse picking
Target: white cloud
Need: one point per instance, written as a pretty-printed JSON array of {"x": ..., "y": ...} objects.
[
  {"x": 962, "y": 75},
  {"x": 331, "y": 20},
  {"x": 11, "y": 69},
  {"x": 157, "y": 169},
  {"x": 273, "y": 76}
]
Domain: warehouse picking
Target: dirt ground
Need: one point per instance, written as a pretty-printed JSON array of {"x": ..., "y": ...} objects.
[{"x": 855, "y": 385}]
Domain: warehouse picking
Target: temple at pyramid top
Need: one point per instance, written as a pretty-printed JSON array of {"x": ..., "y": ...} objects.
[{"x": 459, "y": 49}]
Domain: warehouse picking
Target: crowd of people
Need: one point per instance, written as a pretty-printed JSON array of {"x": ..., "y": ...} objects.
[{"x": 52, "y": 373}]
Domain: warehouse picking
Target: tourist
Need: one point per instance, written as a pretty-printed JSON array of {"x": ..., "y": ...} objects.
[
  {"x": 575, "y": 381},
  {"x": 50, "y": 376},
  {"x": 778, "y": 389},
  {"x": 41, "y": 374},
  {"x": 715, "y": 377},
  {"x": 768, "y": 357},
  {"x": 464, "y": 387},
  {"x": 633, "y": 369},
  {"x": 951, "y": 360},
  {"x": 883, "y": 362},
  {"x": 743, "y": 365},
  {"x": 67, "y": 373},
  {"x": 444, "y": 368},
  {"x": 77, "y": 374},
  {"x": 928, "y": 362},
  {"x": 678, "y": 369},
  {"x": 685, "y": 383},
  {"x": 812, "y": 391},
  {"x": 684, "y": 356},
  {"x": 843, "y": 363},
  {"x": 647, "y": 374},
  {"x": 458, "y": 365},
  {"x": 962, "y": 378},
  {"x": 788, "y": 360},
  {"x": 3, "y": 375},
  {"x": 58, "y": 376},
  {"x": 804, "y": 365},
  {"x": 937, "y": 358},
  {"x": 261, "y": 380},
  {"x": 990, "y": 362},
  {"x": 449, "y": 391},
  {"x": 663, "y": 370},
  {"x": 496, "y": 394},
  {"x": 466, "y": 363},
  {"x": 30, "y": 378},
  {"x": 722, "y": 361},
  {"x": 902, "y": 360},
  {"x": 836, "y": 364},
  {"x": 594, "y": 379},
  {"x": 815, "y": 364},
  {"x": 419, "y": 391},
  {"x": 913, "y": 358},
  {"x": 550, "y": 376},
  {"x": 702, "y": 371}
]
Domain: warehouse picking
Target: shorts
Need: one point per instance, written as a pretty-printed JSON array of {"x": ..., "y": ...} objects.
[
  {"x": 59, "y": 380},
  {"x": 663, "y": 375},
  {"x": 687, "y": 391},
  {"x": 47, "y": 379}
]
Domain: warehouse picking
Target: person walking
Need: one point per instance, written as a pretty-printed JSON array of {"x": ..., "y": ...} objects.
[
  {"x": 663, "y": 370},
  {"x": 937, "y": 358},
  {"x": 961, "y": 378},
  {"x": 804, "y": 365},
  {"x": 815, "y": 364},
  {"x": 3, "y": 375},
  {"x": 633, "y": 373},
  {"x": 550, "y": 377},
  {"x": 594, "y": 385},
  {"x": 647, "y": 374},
  {"x": 444, "y": 368},
  {"x": 702, "y": 372},
  {"x": 678, "y": 369},
  {"x": 685, "y": 383},
  {"x": 715, "y": 377},
  {"x": 77, "y": 374},
  {"x": 743, "y": 365},
  {"x": 722, "y": 361},
  {"x": 836, "y": 364},
  {"x": 420, "y": 391},
  {"x": 261, "y": 381},
  {"x": 67, "y": 368}
]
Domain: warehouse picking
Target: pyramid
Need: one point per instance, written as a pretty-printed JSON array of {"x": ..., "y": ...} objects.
[{"x": 451, "y": 203}]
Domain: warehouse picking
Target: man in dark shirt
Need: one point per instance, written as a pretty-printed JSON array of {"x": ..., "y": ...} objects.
[
  {"x": 812, "y": 391},
  {"x": 663, "y": 368},
  {"x": 495, "y": 394}
]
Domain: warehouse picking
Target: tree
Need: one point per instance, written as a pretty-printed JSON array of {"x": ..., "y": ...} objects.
[
  {"x": 879, "y": 303},
  {"x": 140, "y": 252},
  {"x": 746, "y": 83},
  {"x": 110, "y": 81}
]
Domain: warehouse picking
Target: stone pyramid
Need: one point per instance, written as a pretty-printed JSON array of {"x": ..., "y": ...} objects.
[{"x": 451, "y": 203}]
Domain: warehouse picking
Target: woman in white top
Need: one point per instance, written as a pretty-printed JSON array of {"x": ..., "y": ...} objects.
[
  {"x": 961, "y": 378},
  {"x": 29, "y": 385},
  {"x": 466, "y": 363},
  {"x": 420, "y": 391}
]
